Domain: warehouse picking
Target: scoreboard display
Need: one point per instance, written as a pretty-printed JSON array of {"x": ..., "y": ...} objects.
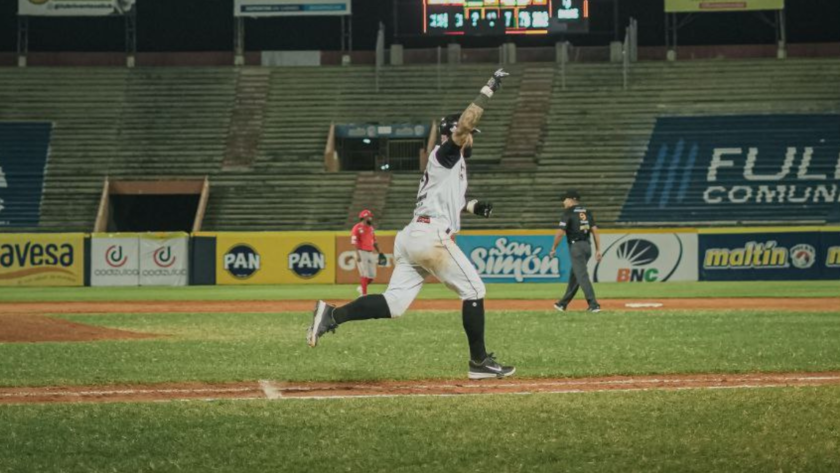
[{"x": 504, "y": 17}]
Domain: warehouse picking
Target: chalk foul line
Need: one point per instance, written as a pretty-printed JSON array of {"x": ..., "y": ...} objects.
[{"x": 281, "y": 390}]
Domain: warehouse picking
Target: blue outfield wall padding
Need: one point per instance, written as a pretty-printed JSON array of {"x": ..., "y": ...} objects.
[{"x": 202, "y": 261}]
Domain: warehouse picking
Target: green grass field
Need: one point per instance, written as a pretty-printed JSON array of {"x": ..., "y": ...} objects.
[
  {"x": 430, "y": 291},
  {"x": 767, "y": 429}
]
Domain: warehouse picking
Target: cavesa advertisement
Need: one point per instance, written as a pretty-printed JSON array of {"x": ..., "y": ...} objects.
[
  {"x": 646, "y": 257},
  {"x": 516, "y": 258},
  {"x": 42, "y": 259},
  {"x": 275, "y": 258},
  {"x": 770, "y": 256}
]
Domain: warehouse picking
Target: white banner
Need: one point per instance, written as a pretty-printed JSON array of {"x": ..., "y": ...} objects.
[
  {"x": 114, "y": 260},
  {"x": 74, "y": 7},
  {"x": 646, "y": 257},
  {"x": 269, "y": 8},
  {"x": 164, "y": 260}
]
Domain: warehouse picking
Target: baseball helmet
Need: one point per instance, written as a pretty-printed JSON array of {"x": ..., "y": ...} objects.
[
  {"x": 449, "y": 122},
  {"x": 365, "y": 214}
]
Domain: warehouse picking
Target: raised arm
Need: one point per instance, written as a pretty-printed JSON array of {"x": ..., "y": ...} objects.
[{"x": 469, "y": 119}]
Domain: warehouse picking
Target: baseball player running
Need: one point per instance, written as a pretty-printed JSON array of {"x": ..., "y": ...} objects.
[
  {"x": 364, "y": 239},
  {"x": 425, "y": 245}
]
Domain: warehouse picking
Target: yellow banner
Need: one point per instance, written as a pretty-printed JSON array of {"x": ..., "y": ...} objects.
[
  {"x": 35, "y": 259},
  {"x": 275, "y": 258},
  {"x": 677, "y": 6}
]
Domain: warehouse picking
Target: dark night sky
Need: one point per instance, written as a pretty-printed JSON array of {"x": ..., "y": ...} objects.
[{"x": 207, "y": 25}]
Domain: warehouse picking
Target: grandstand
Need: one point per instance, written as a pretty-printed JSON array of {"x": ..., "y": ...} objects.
[{"x": 259, "y": 133}]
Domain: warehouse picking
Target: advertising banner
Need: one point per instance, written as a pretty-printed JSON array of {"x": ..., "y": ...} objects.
[
  {"x": 738, "y": 168},
  {"x": 646, "y": 257},
  {"x": 114, "y": 259},
  {"x": 830, "y": 242},
  {"x": 74, "y": 7},
  {"x": 516, "y": 258},
  {"x": 762, "y": 256},
  {"x": 42, "y": 259},
  {"x": 269, "y": 8},
  {"x": 24, "y": 148},
  {"x": 275, "y": 258},
  {"x": 675, "y": 6},
  {"x": 346, "y": 271},
  {"x": 164, "y": 260}
]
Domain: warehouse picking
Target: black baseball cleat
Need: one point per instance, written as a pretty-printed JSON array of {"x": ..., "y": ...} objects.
[
  {"x": 559, "y": 306},
  {"x": 322, "y": 322},
  {"x": 594, "y": 308},
  {"x": 489, "y": 368}
]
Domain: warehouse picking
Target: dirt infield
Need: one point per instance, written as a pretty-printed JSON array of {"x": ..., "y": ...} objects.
[
  {"x": 277, "y": 390},
  {"x": 787, "y": 304},
  {"x": 38, "y": 328}
]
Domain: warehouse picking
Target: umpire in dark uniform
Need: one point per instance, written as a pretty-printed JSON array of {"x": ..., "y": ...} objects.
[{"x": 577, "y": 224}]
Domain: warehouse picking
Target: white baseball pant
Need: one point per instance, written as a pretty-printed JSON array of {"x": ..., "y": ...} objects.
[
  {"x": 421, "y": 249},
  {"x": 367, "y": 264}
]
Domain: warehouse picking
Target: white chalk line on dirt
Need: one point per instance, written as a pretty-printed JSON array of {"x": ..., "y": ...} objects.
[
  {"x": 272, "y": 391},
  {"x": 528, "y": 393},
  {"x": 497, "y": 384}
]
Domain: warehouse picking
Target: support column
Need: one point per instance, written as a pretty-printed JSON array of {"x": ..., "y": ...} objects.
[
  {"x": 238, "y": 41},
  {"x": 130, "y": 37},
  {"x": 22, "y": 40},
  {"x": 781, "y": 34}
]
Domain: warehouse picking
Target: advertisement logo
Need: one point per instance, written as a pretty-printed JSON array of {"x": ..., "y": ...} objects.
[
  {"x": 163, "y": 257},
  {"x": 506, "y": 259},
  {"x": 347, "y": 261},
  {"x": 242, "y": 261},
  {"x": 832, "y": 259},
  {"x": 35, "y": 258},
  {"x": 803, "y": 256},
  {"x": 114, "y": 256},
  {"x": 694, "y": 170},
  {"x": 307, "y": 260},
  {"x": 753, "y": 255},
  {"x": 640, "y": 259}
]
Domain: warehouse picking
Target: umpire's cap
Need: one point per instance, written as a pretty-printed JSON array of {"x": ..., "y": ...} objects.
[
  {"x": 449, "y": 122},
  {"x": 571, "y": 194}
]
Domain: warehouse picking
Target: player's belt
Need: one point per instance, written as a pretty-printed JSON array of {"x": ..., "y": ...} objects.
[{"x": 427, "y": 219}]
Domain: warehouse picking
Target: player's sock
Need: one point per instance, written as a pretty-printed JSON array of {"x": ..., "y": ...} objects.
[
  {"x": 364, "y": 283},
  {"x": 473, "y": 315},
  {"x": 365, "y": 307}
]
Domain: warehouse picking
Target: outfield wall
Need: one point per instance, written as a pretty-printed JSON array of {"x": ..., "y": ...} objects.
[{"x": 511, "y": 256}]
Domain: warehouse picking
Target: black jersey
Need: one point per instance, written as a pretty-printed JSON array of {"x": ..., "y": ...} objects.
[{"x": 577, "y": 221}]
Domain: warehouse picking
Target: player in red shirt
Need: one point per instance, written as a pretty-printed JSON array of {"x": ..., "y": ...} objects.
[{"x": 363, "y": 238}]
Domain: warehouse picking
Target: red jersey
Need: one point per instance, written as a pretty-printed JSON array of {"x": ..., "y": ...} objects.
[{"x": 362, "y": 237}]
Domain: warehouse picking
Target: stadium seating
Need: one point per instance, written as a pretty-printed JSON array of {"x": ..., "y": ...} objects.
[{"x": 164, "y": 123}]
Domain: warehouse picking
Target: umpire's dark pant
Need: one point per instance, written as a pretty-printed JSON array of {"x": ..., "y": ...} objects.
[{"x": 580, "y": 252}]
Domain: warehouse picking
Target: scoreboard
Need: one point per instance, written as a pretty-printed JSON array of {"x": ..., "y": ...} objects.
[{"x": 504, "y": 17}]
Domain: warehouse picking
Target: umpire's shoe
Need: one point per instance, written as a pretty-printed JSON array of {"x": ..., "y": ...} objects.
[
  {"x": 322, "y": 322},
  {"x": 559, "y": 306},
  {"x": 489, "y": 368}
]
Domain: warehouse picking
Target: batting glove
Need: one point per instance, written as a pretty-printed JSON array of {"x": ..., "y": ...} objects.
[
  {"x": 482, "y": 209},
  {"x": 495, "y": 83}
]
